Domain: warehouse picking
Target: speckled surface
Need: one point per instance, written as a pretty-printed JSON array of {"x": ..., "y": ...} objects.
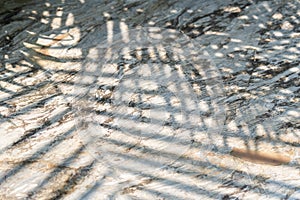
[{"x": 245, "y": 140}]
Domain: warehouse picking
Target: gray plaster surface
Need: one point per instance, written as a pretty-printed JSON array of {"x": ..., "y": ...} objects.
[{"x": 149, "y": 99}]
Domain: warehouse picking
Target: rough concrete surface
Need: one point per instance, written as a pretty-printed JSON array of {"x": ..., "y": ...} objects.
[{"x": 203, "y": 106}]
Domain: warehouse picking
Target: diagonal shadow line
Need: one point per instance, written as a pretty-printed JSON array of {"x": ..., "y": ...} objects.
[
  {"x": 194, "y": 81},
  {"x": 167, "y": 195},
  {"x": 188, "y": 187},
  {"x": 38, "y": 154},
  {"x": 59, "y": 168},
  {"x": 25, "y": 91},
  {"x": 92, "y": 189},
  {"x": 216, "y": 178},
  {"x": 18, "y": 74},
  {"x": 150, "y": 135},
  {"x": 188, "y": 160},
  {"x": 34, "y": 131},
  {"x": 142, "y": 106},
  {"x": 144, "y": 91},
  {"x": 34, "y": 64},
  {"x": 130, "y": 131},
  {"x": 32, "y": 106},
  {"x": 164, "y": 138},
  {"x": 81, "y": 173},
  {"x": 12, "y": 93},
  {"x": 18, "y": 84},
  {"x": 9, "y": 14},
  {"x": 52, "y": 58},
  {"x": 2, "y": 89}
]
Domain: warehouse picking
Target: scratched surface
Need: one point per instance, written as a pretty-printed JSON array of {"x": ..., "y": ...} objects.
[{"x": 247, "y": 148}]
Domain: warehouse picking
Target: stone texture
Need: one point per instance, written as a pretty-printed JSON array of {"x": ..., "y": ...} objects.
[{"x": 253, "y": 44}]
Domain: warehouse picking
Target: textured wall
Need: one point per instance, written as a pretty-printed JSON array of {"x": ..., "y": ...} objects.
[{"x": 246, "y": 122}]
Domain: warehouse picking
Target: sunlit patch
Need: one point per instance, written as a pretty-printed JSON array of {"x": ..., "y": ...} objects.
[
  {"x": 106, "y": 14},
  {"x": 110, "y": 33},
  {"x": 139, "y": 10},
  {"x": 278, "y": 33},
  {"x": 277, "y": 16},
  {"x": 70, "y": 20},
  {"x": 124, "y": 31},
  {"x": 56, "y": 23},
  {"x": 232, "y": 9},
  {"x": 154, "y": 108},
  {"x": 235, "y": 40},
  {"x": 219, "y": 54},
  {"x": 151, "y": 23},
  {"x": 149, "y": 102}
]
